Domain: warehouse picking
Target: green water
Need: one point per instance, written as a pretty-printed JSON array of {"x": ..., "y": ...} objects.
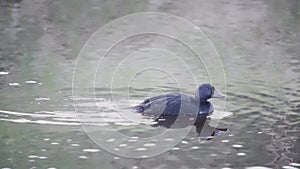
[{"x": 258, "y": 43}]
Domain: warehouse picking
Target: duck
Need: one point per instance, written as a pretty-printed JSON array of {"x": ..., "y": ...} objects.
[{"x": 174, "y": 104}]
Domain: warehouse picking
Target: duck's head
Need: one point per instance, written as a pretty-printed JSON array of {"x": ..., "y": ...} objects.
[{"x": 207, "y": 91}]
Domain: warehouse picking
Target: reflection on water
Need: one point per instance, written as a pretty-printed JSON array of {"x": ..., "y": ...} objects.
[{"x": 259, "y": 46}]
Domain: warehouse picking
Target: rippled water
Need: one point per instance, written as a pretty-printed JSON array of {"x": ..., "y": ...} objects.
[{"x": 258, "y": 42}]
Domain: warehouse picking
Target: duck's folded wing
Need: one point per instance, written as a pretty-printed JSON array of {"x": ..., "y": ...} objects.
[{"x": 157, "y": 104}]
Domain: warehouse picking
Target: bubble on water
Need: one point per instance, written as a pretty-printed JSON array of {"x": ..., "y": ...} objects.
[
  {"x": 132, "y": 140},
  {"x": 55, "y": 143},
  {"x": 141, "y": 149},
  {"x": 31, "y": 82},
  {"x": 91, "y": 150},
  {"x": 42, "y": 99},
  {"x": 110, "y": 140},
  {"x": 195, "y": 148},
  {"x": 33, "y": 156},
  {"x": 257, "y": 167},
  {"x": 225, "y": 141},
  {"x": 42, "y": 157},
  {"x": 149, "y": 145},
  {"x": 289, "y": 167},
  {"x": 241, "y": 154},
  {"x": 237, "y": 146},
  {"x": 75, "y": 145},
  {"x": 83, "y": 157},
  {"x": 123, "y": 145},
  {"x": 175, "y": 148},
  {"x": 14, "y": 84},
  {"x": 184, "y": 142},
  {"x": 4, "y": 73},
  {"x": 295, "y": 164}
]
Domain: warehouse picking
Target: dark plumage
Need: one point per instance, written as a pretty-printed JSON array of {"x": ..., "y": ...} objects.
[{"x": 176, "y": 104}]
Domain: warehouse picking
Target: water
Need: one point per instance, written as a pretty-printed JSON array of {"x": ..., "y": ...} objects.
[{"x": 258, "y": 42}]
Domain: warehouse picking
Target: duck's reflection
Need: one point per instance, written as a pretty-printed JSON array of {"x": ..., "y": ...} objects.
[{"x": 201, "y": 123}]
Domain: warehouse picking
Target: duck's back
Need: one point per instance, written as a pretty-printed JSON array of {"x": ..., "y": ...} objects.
[{"x": 170, "y": 104}]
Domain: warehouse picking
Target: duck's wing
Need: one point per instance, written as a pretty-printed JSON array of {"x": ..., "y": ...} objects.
[
  {"x": 157, "y": 104},
  {"x": 170, "y": 104}
]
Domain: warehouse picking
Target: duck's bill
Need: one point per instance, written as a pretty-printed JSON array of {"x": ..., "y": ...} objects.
[{"x": 217, "y": 94}]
